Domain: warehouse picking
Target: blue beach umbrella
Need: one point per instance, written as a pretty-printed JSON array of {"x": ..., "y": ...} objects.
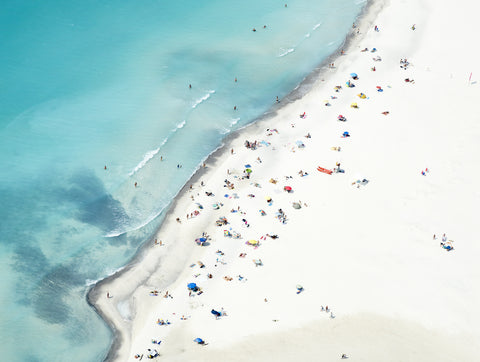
[
  {"x": 198, "y": 340},
  {"x": 203, "y": 239},
  {"x": 353, "y": 75},
  {"x": 248, "y": 165},
  {"x": 191, "y": 286}
]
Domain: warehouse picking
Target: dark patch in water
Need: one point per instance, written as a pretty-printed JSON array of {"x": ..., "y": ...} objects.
[
  {"x": 30, "y": 260},
  {"x": 49, "y": 295},
  {"x": 95, "y": 206}
]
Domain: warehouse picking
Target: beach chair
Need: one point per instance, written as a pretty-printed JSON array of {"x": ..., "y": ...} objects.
[{"x": 257, "y": 262}]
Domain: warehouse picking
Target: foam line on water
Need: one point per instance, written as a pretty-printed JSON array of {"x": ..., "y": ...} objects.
[
  {"x": 286, "y": 52},
  {"x": 203, "y": 99},
  {"x": 118, "y": 232},
  {"x": 151, "y": 154},
  {"x": 292, "y": 49}
]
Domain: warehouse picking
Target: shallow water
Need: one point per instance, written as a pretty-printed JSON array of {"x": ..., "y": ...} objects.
[{"x": 89, "y": 84}]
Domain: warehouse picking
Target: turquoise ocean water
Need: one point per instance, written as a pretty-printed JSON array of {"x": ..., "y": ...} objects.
[{"x": 87, "y": 84}]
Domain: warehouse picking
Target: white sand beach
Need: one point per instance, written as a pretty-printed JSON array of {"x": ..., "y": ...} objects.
[{"x": 362, "y": 242}]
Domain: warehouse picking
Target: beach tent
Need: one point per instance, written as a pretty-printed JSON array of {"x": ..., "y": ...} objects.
[
  {"x": 300, "y": 144},
  {"x": 192, "y": 286}
]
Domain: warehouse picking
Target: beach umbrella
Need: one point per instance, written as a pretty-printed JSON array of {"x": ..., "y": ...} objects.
[
  {"x": 353, "y": 75},
  {"x": 198, "y": 340},
  {"x": 191, "y": 286},
  {"x": 296, "y": 205},
  {"x": 287, "y": 188},
  {"x": 203, "y": 239},
  {"x": 252, "y": 242},
  {"x": 248, "y": 170},
  {"x": 248, "y": 165}
]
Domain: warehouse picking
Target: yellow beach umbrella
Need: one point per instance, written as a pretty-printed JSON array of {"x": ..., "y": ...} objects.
[{"x": 253, "y": 242}]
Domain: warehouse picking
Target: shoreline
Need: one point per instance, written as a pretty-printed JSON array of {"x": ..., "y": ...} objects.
[
  {"x": 368, "y": 15},
  {"x": 353, "y": 247}
]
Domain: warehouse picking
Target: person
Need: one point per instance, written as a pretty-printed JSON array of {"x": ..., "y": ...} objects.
[
  {"x": 178, "y": 220},
  {"x": 231, "y": 151},
  {"x": 235, "y": 79},
  {"x": 376, "y": 28},
  {"x": 413, "y": 27},
  {"x": 344, "y": 356},
  {"x": 278, "y": 100},
  {"x": 254, "y": 30},
  {"x": 190, "y": 86},
  {"x": 108, "y": 295},
  {"x": 234, "y": 108},
  {"x": 135, "y": 184},
  {"x": 105, "y": 167}
]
